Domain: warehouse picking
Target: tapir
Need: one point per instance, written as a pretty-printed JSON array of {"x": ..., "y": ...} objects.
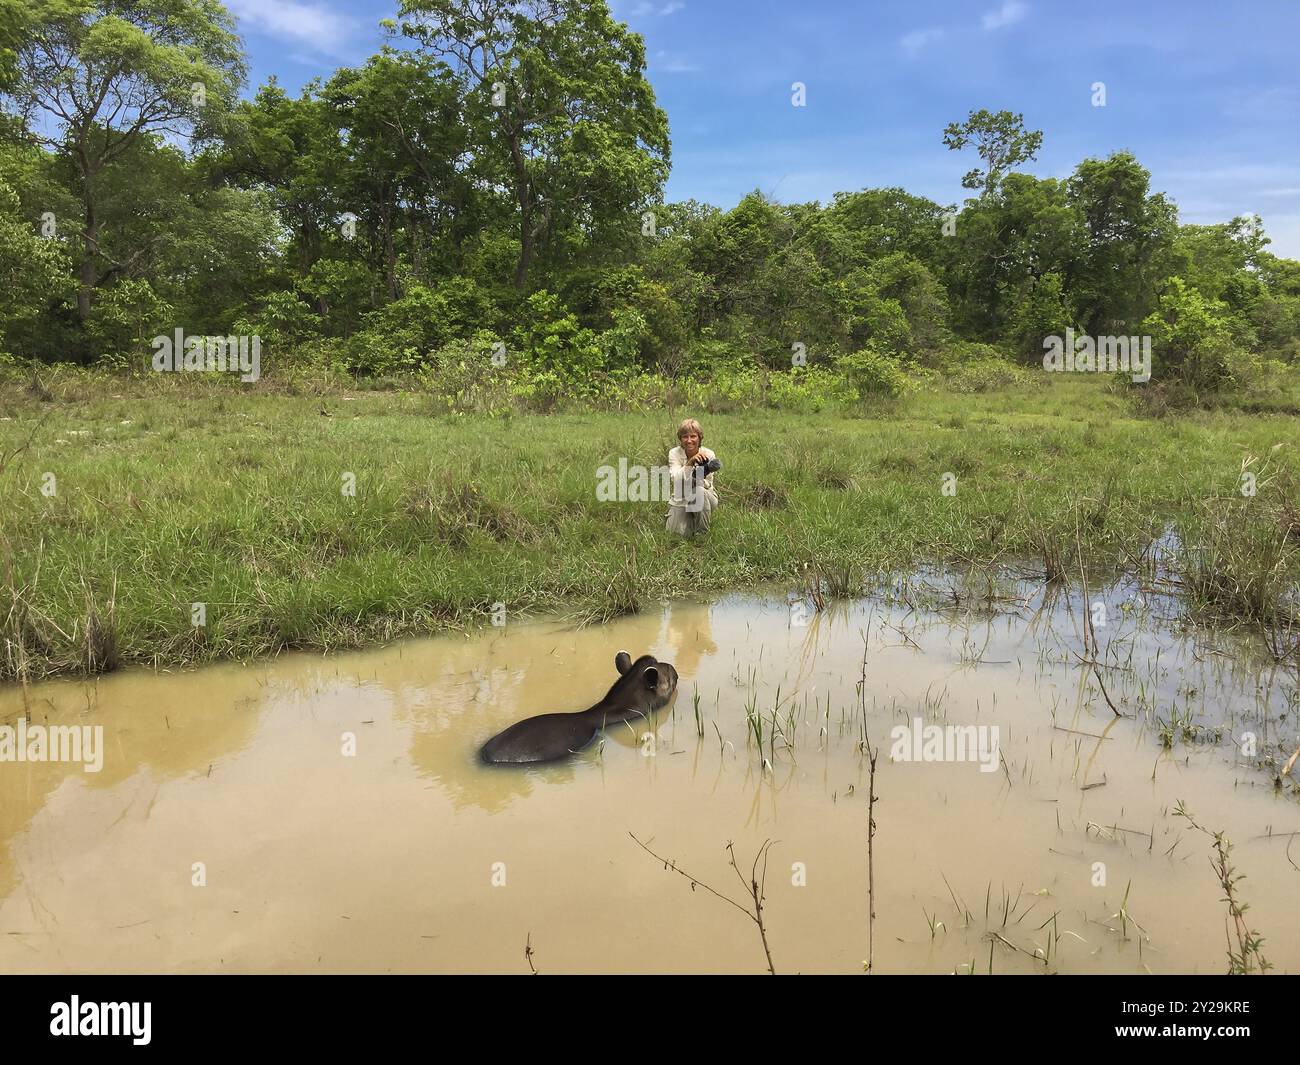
[{"x": 643, "y": 687}]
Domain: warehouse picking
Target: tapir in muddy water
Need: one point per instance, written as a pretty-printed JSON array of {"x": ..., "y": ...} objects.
[{"x": 643, "y": 687}]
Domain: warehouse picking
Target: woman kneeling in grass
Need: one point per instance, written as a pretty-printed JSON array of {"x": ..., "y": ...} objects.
[{"x": 691, "y": 468}]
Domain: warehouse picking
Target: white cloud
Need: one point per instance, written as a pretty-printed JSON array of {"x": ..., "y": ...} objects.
[
  {"x": 643, "y": 8},
  {"x": 1011, "y": 11},
  {"x": 668, "y": 63},
  {"x": 918, "y": 39},
  {"x": 312, "y": 24}
]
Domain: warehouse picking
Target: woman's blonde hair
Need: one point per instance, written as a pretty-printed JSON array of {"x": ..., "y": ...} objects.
[{"x": 690, "y": 425}]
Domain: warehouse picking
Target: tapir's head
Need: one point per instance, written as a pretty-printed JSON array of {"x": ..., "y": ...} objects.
[{"x": 646, "y": 683}]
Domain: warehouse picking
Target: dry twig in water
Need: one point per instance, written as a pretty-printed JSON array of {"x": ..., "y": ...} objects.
[{"x": 755, "y": 887}]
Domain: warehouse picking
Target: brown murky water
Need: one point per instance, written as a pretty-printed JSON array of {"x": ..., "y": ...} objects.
[{"x": 410, "y": 856}]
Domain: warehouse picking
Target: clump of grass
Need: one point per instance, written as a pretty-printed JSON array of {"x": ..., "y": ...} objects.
[
  {"x": 1051, "y": 550},
  {"x": 37, "y": 389},
  {"x": 758, "y": 496},
  {"x": 621, "y": 596},
  {"x": 461, "y": 509},
  {"x": 754, "y": 720},
  {"x": 835, "y": 477},
  {"x": 1125, "y": 917},
  {"x": 21, "y": 636},
  {"x": 1289, "y": 521},
  {"x": 99, "y": 644},
  {"x": 826, "y": 581},
  {"x": 622, "y": 593},
  {"x": 1241, "y": 560},
  {"x": 843, "y": 579},
  {"x": 899, "y": 462},
  {"x": 1181, "y": 725},
  {"x": 1093, "y": 513}
]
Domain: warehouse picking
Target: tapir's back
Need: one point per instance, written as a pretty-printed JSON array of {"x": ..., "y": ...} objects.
[{"x": 542, "y": 739}]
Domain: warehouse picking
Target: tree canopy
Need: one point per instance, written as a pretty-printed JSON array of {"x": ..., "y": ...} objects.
[{"x": 493, "y": 177}]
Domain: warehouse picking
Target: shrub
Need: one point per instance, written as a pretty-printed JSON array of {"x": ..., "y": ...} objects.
[
  {"x": 551, "y": 343},
  {"x": 808, "y": 389},
  {"x": 624, "y": 344},
  {"x": 986, "y": 375},
  {"x": 34, "y": 273},
  {"x": 125, "y": 318},
  {"x": 464, "y": 373},
  {"x": 283, "y": 322},
  {"x": 1045, "y": 313},
  {"x": 400, "y": 336},
  {"x": 872, "y": 374},
  {"x": 341, "y": 289},
  {"x": 1191, "y": 342}
]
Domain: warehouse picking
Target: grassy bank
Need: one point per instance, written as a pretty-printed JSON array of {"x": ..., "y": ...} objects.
[{"x": 180, "y": 492}]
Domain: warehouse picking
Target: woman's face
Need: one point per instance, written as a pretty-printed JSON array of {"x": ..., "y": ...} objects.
[{"x": 690, "y": 442}]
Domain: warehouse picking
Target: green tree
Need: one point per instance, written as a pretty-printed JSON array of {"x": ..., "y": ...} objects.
[
  {"x": 1045, "y": 313},
  {"x": 1006, "y": 242},
  {"x": 34, "y": 272},
  {"x": 289, "y": 147},
  {"x": 1128, "y": 236},
  {"x": 1191, "y": 343},
  {"x": 878, "y": 222},
  {"x": 109, "y": 72},
  {"x": 559, "y": 109},
  {"x": 125, "y": 317},
  {"x": 1001, "y": 141},
  {"x": 409, "y": 172}
]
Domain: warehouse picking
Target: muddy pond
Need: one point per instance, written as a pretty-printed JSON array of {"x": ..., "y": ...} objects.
[{"x": 329, "y": 813}]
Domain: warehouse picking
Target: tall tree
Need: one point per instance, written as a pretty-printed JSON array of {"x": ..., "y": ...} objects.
[
  {"x": 1025, "y": 230},
  {"x": 559, "y": 107},
  {"x": 408, "y": 161},
  {"x": 33, "y": 272},
  {"x": 1129, "y": 233},
  {"x": 99, "y": 75},
  {"x": 1001, "y": 141},
  {"x": 291, "y": 148},
  {"x": 879, "y": 222}
]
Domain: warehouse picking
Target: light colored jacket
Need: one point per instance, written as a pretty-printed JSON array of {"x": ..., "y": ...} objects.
[{"x": 677, "y": 473}]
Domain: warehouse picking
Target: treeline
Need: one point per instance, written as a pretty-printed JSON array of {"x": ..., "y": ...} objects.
[{"x": 485, "y": 196}]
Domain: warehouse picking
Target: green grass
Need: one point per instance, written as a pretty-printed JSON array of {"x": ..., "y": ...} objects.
[{"x": 232, "y": 498}]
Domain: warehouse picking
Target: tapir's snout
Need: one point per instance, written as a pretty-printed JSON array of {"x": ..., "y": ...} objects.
[{"x": 667, "y": 686}]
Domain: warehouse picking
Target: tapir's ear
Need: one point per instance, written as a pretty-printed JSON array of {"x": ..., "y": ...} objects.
[
  {"x": 622, "y": 661},
  {"x": 651, "y": 676}
]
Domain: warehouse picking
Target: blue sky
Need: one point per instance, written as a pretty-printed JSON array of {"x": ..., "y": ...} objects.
[{"x": 1205, "y": 94}]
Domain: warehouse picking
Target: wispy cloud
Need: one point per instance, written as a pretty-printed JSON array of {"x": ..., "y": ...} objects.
[
  {"x": 1010, "y": 12},
  {"x": 668, "y": 63},
  {"x": 644, "y": 8},
  {"x": 311, "y": 24},
  {"x": 918, "y": 39}
]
